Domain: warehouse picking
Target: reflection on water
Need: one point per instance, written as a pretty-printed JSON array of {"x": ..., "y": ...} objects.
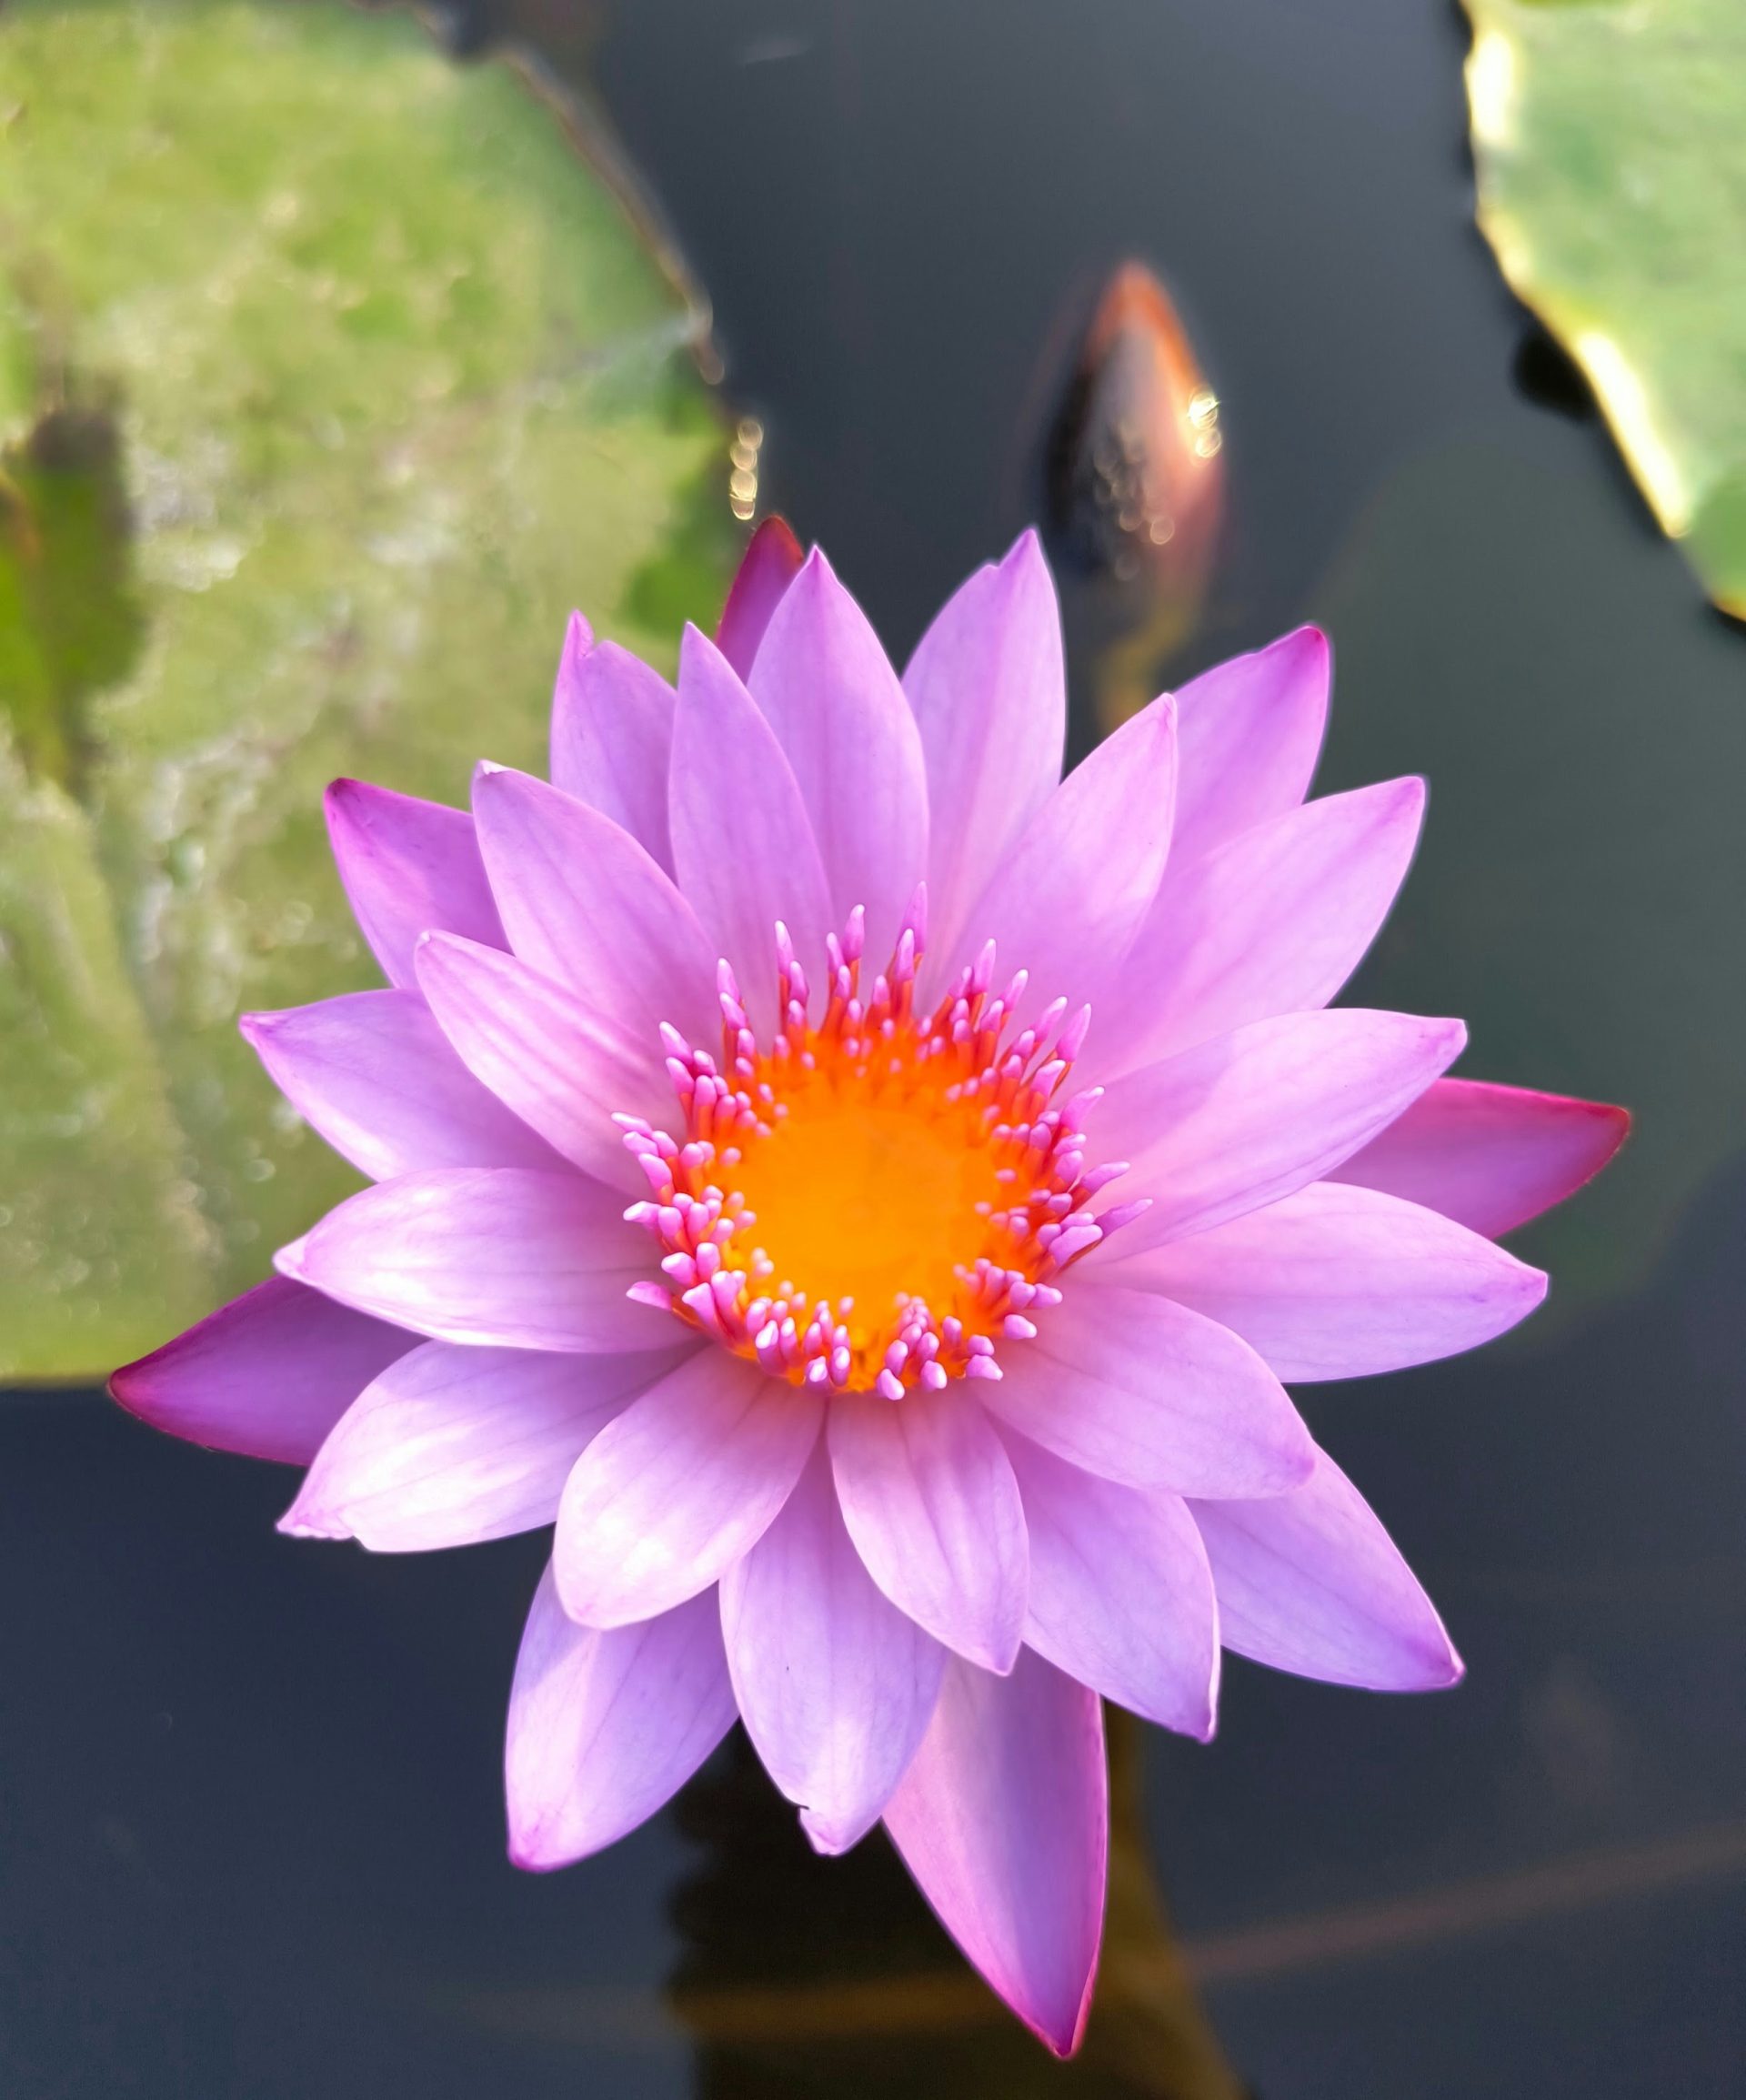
[
  {"x": 69, "y": 624},
  {"x": 1136, "y": 487},
  {"x": 805, "y": 1977}
]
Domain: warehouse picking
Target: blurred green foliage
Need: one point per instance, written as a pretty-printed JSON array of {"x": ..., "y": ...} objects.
[
  {"x": 330, "y": 378},
  {"x": 1611, "y": 142}
]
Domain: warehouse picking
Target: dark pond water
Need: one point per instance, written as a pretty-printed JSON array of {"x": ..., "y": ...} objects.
[{"x": 250, "y": 1823}]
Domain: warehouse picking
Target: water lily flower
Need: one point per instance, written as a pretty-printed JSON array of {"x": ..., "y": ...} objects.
[{"x": 872, "y": 1194}]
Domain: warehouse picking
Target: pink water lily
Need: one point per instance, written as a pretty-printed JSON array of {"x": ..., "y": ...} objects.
[{"x": 871, "y": 1194}]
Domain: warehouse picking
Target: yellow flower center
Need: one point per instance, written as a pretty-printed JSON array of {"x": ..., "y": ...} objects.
[{"x": 871, "y": 1202}]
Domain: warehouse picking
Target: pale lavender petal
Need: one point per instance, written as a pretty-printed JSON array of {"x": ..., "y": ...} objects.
[
  {"x": 1121, "y": 1591},
  {"x": 988, "y": 686},
  {"x": 668, "y": 1497},
  {"x": 1273, "y": 922},
  {"x": 1250, "y": 732},
  {"x": 1311, "y": 1583},
  {"x": 834, "y": 701},
  {"x": 564, "y": 1067},
  {"x": 1342, "y": 1282},
  {"x": 742, "y": 842},
  {"x": 450, "y": 1446},
  {"x": 488, "y": 1255},
  {"x": 1066, "y": 901},
  {"x": 1129, "y": 1385},
  {"x": 929, "y": 1495},
  {"x": 771, "y": 562},
  {"x": 267, "y": 1375},
  {"x": 373, "y": 1072},
  {"x": 1489, "y": 1156},
  {"x": 834, "y": 1684},
  {"x": 1247, "y": 1118},
  {"x": 612, "y": 731},
  {"x": 409, "y": 865},
  {"x": 1003, "y": 1818},
  {"x": 605, "y": 1727},
  {"x": 584, "y": 903}
]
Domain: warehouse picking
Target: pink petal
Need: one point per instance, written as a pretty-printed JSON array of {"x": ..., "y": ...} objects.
[
  {"x": 834, "y": 701},
  {"x": 1489, "y": 1157},
  {"x": 267, "y": 1375},
  {"x": 1074, "y": 891},
  {"x": 1311, "y": 1583},
  {"x": 1121, "y": 1591},
  {"x": 409, "y": 865},
  {"x": 771, "y": 562},
  {"x": 612, "y": 729},
  {"x": 1125, "y": 1384},
  {"x": 834, "y": 1684},
  {"x": 1003, "y": 1818},
  {"x": 1273, "y": 922},
  {"x": 584, "y": 903},
  {"x": 929, "y": 1495},
  {"x": 742, "y": 840},
  {"x": 605, "y": 1727},
  {"x": 488, "y": 1255},
  {"x": 989, "y": 688},
  {"x": 564, "y": 1067},
  {"x": 1342, "y": 1282},
  {"x": 450, "y": 1446},
  {"x": 1250, "y": 730},
  {"x": 373, "y": 1072},
  {"x": 1249, "y": 1117},
  {"x": 690, "y": 1478}
]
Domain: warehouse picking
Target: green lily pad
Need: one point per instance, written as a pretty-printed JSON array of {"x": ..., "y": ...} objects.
[
  {"x": 331, "y": 376},
  {"x": 1610, "y": 142}
]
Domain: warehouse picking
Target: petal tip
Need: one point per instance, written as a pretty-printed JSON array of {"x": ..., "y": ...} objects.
[
  {"x": 831, "y": 1836},
  {"x": 1310, "y": 641},
  {"x": 292, "y": 1260},
  {"x": 529, "y": 1851},
  {"x": 127, "y": 1385}
]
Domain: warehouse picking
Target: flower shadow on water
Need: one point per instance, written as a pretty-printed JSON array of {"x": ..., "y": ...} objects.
[{"x": 804, "y": 1977}]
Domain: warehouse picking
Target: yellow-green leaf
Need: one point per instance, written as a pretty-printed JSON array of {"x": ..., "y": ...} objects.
[
  {"x": 1610, "y": 142},
  {"x": 330, "y": 378}
]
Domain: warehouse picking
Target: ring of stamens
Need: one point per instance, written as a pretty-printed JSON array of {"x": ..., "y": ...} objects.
[{"x": 879, "y": 1200}]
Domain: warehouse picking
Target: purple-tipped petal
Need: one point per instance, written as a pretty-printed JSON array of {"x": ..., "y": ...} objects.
[
  {"x": 565, "y": 1068},
  {"x": 687, "y": 1480},
  {"x": 834, "y": 1684},
  {"x": 930, "y": 1499},
  {"x": 1311, "y": 1583},
  {"x": 1489, "y": 1156},
  {"x": 1076, "y": 889},
  {"x": 742, "y": 842},
  {"x": 409, "y": 866},
  {"x": 605, "y": 1727},
  {"x": 449, "y": 1446},
  {"x": 612, "y": 732},
  {"x": 267, "y": 1375},
  {"x": 772, "y": 561},
  {"x": 1249, "y": 1117},
  {"x": 1250, "y": 732},
  {"x": 1342, "y": 1282},
  {"x": 1121, "y": 1591},
  {"x": 1273, "y": 922},
  {"x": 1144, "y": 1392},
  {"x": 373, "y": 1072},
  {"x": 1003, "y": 1818},
  {"x": 499, "y": 1256},
  {"x": 584, "y": 903},
  {"x": 988, "y": 686},
  {"x": 826, "y": 689}
]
